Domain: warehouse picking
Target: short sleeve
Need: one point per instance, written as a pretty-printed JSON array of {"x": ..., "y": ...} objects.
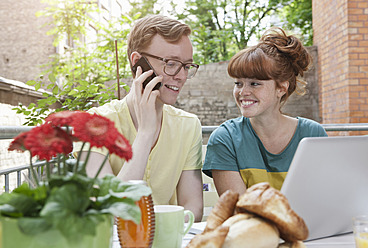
[
  {"x": 220, "y": 153},
  {"x": 194, "y": 158}
]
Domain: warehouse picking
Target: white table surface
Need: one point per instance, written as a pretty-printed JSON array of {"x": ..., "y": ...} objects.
[{"x": 340, "y": 241}]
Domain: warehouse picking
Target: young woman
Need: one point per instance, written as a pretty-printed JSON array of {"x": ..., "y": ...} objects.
[{"x": 260, "y": 145}]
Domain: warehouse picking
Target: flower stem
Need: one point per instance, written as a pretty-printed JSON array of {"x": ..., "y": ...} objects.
[
  {"x": 101, "y": 166},
  {"x": 48, "y": 171},
  {"x": 78, "y": 159},
  {"x": 65, "y": 168},
  {"x": 58, "y": 164},
  {"x": 86, "y": 160},
  {"x": 34, "y": 175}
]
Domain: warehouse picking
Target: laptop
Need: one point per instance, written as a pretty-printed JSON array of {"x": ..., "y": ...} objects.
[{"x": 327, "y": 183}]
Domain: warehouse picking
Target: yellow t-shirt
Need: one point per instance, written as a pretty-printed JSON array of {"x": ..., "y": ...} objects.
[{"x": 178, "y": 148}]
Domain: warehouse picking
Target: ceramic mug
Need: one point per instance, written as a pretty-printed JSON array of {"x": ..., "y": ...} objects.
[{"x": 169, "y": 226}]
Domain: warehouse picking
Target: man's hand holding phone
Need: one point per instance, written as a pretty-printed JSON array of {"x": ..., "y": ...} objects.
[
  {"x": 144, "y": 102},
  {"x": 146, "y": 66}
]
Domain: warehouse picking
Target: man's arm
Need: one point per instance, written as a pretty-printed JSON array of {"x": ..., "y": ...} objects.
[
  {"x": 94, "y": 162},
  {"x": 225, "y": 180},
  {"x": 190, "y": 192}
]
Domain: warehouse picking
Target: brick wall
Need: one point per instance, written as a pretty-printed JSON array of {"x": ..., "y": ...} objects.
[
  {"x": 341, "y": 35},
  {"x": 23, "y": 43}
]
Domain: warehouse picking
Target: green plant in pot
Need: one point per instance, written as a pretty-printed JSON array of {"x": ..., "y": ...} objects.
[{"x": 64, "y": 207}]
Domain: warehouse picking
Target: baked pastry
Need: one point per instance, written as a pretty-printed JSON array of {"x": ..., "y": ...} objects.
[
  {"x": 223, "y": 209},
  {"x": 269, "y": 203},
  {"x": 210, "y": 239},
  {"x": 296, "y": 244},
  {"x": 250, "y": 231}
]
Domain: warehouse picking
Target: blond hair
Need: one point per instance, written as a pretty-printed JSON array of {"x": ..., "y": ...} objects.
[{"x": 141, "y": 34}]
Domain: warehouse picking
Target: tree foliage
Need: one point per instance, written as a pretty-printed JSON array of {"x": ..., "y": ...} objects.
[
  {"x": 222, "y": 27},
  {"x": 298, "y": 16},
  {"x": 70, "y": 18},
  {"x": 142, "y": 7},
  {"x": 76, "y": 78}
]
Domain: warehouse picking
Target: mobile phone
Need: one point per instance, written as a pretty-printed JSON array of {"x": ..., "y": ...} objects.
[{"x": 146, "y": 66}]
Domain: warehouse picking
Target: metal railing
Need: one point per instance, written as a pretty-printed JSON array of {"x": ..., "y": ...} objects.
[
  {"x": 9, "y": 132},
  {"x": 327, "y": 127},
  {"x": 19, "y": 170}
]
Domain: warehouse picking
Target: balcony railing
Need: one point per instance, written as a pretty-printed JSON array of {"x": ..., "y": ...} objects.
[{"x": 9, "y": 132}]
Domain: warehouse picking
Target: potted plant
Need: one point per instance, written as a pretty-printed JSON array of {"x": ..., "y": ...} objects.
[{"x": 64, "y": 207}]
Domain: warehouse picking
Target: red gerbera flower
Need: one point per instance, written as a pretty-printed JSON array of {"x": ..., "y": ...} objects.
[
  {"x": 64, "y": 118},
  {"x": 46, "y": 141},
  {"x": 121, "y": 147},
  {"x": 18, "y": 143},
  {"x": 97, "y": 130}
]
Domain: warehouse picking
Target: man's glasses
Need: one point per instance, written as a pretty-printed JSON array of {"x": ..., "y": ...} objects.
[{"x": 173, "y": 66}]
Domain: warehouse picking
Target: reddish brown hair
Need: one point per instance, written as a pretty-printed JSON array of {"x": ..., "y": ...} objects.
[{"x": 277, "y": 57}]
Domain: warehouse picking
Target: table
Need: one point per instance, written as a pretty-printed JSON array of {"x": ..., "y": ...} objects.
[{"x": 339, "y": 241}]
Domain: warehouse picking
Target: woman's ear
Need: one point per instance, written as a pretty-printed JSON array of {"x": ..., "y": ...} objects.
[{"x": 283, "y": 88}]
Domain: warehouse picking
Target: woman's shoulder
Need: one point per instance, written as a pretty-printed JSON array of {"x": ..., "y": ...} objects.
[
  {"x": 232, "y": 124},
  {"x": 308, "y": 122},
  {"x": 310, "y": 126},
  {"x": 229, "y": 127}
]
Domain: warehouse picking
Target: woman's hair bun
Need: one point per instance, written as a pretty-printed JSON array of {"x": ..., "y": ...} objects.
[{"x": 288, "y": 46}]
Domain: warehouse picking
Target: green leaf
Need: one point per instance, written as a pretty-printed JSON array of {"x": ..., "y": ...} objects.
[
  {"x": 32, "y": 226},
  {"x": 125, "y": 209},
  {"x": 37, "y": 86},
  {"x": 31, "y": 82},
  {"x": 32, "y": 105},
  {"x": 19, "y": 205},
  {"x": 52, "y": 78},
  {"x": 113, "y": 186},
  {"x": 55, "y": 90}
]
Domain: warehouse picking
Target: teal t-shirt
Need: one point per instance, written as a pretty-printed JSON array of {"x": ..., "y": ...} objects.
[{"x": 234, "y": 146}]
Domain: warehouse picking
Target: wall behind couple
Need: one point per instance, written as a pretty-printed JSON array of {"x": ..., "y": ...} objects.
[{"x": 209, "y": 95}]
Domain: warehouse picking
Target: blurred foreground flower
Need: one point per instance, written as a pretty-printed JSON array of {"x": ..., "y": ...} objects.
[{"x": 64, "y": 197}]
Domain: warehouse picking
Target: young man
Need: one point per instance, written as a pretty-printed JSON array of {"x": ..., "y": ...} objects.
[{"x": 166, "y": 141}]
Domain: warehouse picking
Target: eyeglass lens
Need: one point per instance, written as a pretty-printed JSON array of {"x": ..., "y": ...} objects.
[{"x": 173, "y": 67}]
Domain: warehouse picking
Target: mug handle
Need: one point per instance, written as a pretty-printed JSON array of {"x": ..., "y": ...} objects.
[{"x": 190, "y": 222}]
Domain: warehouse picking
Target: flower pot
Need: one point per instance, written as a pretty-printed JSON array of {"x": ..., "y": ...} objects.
[{"x": 11, "y": 236}]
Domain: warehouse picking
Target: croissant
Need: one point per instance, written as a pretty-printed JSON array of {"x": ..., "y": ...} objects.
[
  {"x": 270, "y": 204},
  {"x": 250, "y": 231},
  {"x": 295, "y": 244},
  {"x": 223, "y": 209},
  {"x": 210, "y": 239}
]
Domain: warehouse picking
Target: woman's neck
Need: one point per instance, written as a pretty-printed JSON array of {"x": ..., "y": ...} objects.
[{"x": 275, "y": 133}]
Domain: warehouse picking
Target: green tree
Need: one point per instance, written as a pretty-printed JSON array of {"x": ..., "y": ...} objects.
[
  {"x": 70, "y": 18},
  {"x": 76, "y": 77},
  {"x": 222, "y": 27},
  {"x": 297, "y": 16},
  {"x": 142, "y": 8}
]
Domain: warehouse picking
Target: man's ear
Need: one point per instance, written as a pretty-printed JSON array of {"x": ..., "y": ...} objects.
[
  {"x": 283, "y": 88},
  {"x": 134, "y": 57}
]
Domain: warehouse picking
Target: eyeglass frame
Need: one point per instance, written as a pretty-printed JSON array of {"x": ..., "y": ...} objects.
[{"x": 165, "y": 60}]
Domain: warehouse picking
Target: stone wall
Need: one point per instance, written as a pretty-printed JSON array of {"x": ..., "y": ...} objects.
[{"x": 23, "y": 43}]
